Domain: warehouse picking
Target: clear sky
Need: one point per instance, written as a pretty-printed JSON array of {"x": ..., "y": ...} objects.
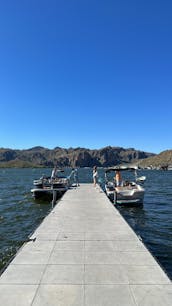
[{"x": 86, "y": 73}]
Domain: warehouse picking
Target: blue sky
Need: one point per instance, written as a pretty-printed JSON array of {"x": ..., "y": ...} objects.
[{"x": 86, "y": 73}]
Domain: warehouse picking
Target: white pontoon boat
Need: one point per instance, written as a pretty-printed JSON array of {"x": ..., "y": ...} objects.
[{"x": 47, "y": 187}]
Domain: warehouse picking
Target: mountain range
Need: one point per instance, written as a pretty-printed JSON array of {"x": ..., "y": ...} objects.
[
  {"x": 162, "y": 159},
  {"x": 71, "y": 157}
]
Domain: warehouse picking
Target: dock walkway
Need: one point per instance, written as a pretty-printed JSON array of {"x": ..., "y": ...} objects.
[{"x": 85, "y": 254}]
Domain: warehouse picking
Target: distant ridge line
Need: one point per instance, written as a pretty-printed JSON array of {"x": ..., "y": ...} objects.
[{"x": 70, "y": 157}]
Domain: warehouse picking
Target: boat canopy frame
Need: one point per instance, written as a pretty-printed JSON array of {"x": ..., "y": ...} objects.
[{"x": 121, "y": 168}]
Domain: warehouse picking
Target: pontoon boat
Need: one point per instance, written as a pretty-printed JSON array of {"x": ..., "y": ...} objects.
[{"x": 46, "y": 187}]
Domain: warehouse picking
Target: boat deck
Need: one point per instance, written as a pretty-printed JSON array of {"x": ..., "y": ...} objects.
[{"x": 85, "y": 254}]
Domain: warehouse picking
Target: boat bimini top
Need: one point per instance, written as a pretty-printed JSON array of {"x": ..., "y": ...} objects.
[{"x": 121, "y": 168}]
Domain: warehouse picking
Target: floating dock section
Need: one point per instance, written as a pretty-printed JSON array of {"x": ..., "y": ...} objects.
[{"x": 85, "y": 254}]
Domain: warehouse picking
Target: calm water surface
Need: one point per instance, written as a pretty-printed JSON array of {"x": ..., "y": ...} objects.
[{"x": 20, "y": 214}]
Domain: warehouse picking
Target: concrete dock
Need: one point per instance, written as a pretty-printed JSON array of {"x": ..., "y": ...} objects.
[{"x": 85, "y": 254}]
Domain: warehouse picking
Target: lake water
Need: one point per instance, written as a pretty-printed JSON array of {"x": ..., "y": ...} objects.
[{"x": 20, "y": 214}]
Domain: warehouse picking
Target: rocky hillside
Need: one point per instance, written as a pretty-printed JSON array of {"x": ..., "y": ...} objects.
[
  {"x": 78, "y": 157},
  {"x": 161, "y": 160}
]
